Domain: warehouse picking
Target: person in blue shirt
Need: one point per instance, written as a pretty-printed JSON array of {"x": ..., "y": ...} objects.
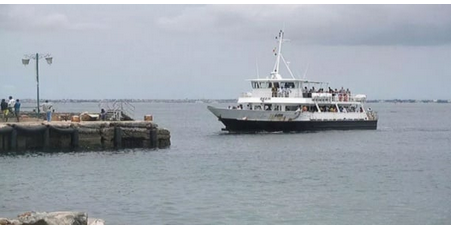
[{"x": 17, "y": 109}]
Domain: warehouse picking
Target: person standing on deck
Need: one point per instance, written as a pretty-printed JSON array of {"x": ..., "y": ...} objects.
[
  {"x": 274, "y": 91},
  {"x": 17, "y": 109},
  {"x": 47, "y": 108}
]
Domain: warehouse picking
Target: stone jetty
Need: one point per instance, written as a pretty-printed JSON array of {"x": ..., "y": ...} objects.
[
  {"x": 82, "y": 135},
  {"x": 52, "y": 218}
]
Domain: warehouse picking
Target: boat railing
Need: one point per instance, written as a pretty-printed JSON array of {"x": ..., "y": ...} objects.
[
  {"x": 316, "y": 96},
  {"x": 334, "y": 97},
  {"x": 320, "y": 97}
]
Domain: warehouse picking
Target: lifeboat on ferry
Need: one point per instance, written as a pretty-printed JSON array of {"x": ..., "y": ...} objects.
[{"x": 360, "y": 98}]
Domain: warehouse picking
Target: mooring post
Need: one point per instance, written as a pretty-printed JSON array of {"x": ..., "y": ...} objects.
[
  {"x": 117, "y": 137},
  {"x": 153, "y": 138},
  {"x": 13, "y": 140}
]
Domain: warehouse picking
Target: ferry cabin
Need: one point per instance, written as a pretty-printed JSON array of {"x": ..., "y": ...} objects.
[{"x": 294, "y": 94}]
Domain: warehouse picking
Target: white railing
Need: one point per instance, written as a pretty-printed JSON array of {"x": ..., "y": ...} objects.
[
  {"x": 118, "y": 110},
  {"x": 123, "y": 109}
]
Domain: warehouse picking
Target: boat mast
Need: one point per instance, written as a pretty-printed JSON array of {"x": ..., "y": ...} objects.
[{"x": 275, "y": 74}]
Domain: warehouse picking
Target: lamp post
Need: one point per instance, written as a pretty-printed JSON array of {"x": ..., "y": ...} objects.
[{"x": 37, "y": 56}]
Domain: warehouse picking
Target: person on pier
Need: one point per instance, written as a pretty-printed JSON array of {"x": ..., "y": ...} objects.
[
  {"x": 47, "y": 108},
  {"x": 5, "y": 110},
  {"x": 11, "y": 103},
  {"x": 17, "y": 109},
  {"x": 102, "y": 114}
]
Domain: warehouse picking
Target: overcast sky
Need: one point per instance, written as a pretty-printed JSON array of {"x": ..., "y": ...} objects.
[{"x": 208, "y": 51}]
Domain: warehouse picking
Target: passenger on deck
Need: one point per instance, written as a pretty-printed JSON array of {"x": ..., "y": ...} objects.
[
  {"x": 305, "y": 92},
  {"x": 310, "y": 92},
  {"x": 287, "y": 92},
  {"x": 274, "y": 91}
]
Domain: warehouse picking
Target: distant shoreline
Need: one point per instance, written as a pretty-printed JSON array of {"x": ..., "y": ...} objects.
[{"x": 216, "y": 100}]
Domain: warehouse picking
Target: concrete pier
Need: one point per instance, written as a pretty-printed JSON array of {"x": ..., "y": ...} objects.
[{"x": 81, "y": 136}]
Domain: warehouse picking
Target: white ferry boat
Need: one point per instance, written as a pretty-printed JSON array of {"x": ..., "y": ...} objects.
[{"x": 294, "y": 105}]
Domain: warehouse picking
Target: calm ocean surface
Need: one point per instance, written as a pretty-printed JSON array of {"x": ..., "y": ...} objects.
[{"x": 398, "y": 174}]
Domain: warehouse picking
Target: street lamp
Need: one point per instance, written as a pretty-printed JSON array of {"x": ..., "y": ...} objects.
[{"x": 37, "y": 56}]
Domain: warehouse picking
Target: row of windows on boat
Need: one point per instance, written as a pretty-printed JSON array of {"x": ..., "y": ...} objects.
[{"x": 322, "y": 108}]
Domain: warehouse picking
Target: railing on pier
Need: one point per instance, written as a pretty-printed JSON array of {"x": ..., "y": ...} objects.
[
  {"x": 118, "y": 110},
  {"x": 125, "y": 109}
]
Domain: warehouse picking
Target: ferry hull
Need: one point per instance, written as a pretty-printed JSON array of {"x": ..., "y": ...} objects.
[
  {"x": 233, "y": 125},
  {"x": 260, "y": 121}
]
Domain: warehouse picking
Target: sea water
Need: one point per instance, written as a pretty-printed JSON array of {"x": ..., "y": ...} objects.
[{"x": 397, "y": 174}]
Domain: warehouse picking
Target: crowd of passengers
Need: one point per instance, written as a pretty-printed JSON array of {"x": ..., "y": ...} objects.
[
  {"x": 342, "y": 94},
  {"x": 332, "y": 108},
  {"x": 337, "y": 95},
  {"x": 308, "y": 93}
]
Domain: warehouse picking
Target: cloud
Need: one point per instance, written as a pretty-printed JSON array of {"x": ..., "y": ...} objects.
[
  {"x": 322, "y": 24},
  {"x": 29, "y": 17}
]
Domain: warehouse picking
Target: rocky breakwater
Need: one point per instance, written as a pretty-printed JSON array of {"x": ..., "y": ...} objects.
[{"x": 52, "y": 218}]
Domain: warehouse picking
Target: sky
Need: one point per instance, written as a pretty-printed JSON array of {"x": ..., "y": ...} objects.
[{"x": 209, "y": 51}]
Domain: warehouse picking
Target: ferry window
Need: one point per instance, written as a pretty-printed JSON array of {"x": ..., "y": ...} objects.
[
  {"x": 255, "y": 85},
  {"x": 268, "y": 107},
  {"x": 291, "y": 108},
  {"x": 264, "y": 85},
  {"x": 289, "y": 85}
]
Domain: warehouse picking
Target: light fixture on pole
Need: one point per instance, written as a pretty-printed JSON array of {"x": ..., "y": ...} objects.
[{"x": 37, "y": 56}]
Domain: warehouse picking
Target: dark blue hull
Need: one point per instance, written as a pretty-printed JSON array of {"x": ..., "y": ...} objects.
[{"x": 234, "y": 125}]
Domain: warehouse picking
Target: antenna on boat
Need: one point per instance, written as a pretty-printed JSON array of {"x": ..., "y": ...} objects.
[
  {"x": 275, "y": 74},
  {"x": 306, "y": 70},
  {"x": 288, "y": 67}
]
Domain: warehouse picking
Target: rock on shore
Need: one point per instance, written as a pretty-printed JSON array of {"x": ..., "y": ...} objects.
[{"x": 52, "y": 218}]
